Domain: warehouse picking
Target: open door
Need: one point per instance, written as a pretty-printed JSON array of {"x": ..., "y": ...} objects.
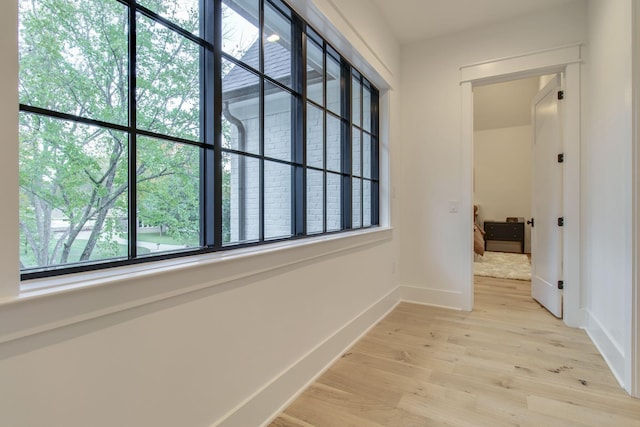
[{"x": 547, "y": 220}]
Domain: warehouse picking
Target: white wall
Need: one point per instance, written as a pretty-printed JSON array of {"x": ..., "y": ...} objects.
[
  {"x": 189, "y": 360},
  {"x": 192, "y": 359},
  {"x": 607, "y": 181},
  {"x": 9, "y": 254},
  {"x": 502, "y": 175},
  {"x": 435, "y": 257}
]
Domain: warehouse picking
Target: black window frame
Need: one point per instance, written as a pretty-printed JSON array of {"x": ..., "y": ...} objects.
[{"x": 210, "y": 144}]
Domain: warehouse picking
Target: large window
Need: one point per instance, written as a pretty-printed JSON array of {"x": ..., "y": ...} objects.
[{"x": 147, "y": 131}]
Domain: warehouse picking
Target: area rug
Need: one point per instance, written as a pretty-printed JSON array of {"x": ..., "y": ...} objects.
[{"x": 503, "y": 265}]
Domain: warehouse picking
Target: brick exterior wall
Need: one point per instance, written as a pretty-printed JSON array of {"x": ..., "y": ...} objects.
[{"x": 278, "y": 177}]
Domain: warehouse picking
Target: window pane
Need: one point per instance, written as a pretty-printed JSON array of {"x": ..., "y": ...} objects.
[
  {"x": 73, "y": 58},
  {"x": 315, "y": 201},
  {"x": 73, "y": 192},
  {"x": 356, "y": 188},
  {"x": 277, "y": 122},
  {"x": 366, "y": 204},
  {"x": 240, "y": 30},
  {"x": 315, "y": 136},
  {"x": 334, "y": 202},
  {"x": 334, "y": 144},
  {"x": 185, "y": 13},
  {"x": 168, "y": 81},
  {"x": 333, "y": 85},
  {"x": 282, "y": 6},
  {"x": 168, "y": 195},
  {"x": 277, "y": 45},
  {"x": 366, "y": 155},
  {"x": 356, "y": 104},
  {"x": 355, "y": 150},
  {"x": 240, "y": 109},
  {"x": 366, "y": 109},
  {"x": 312, "y": 35},
  {"x": 315, "y": 73},
  {"x": 277, "y": 200},
  {"x": 240, "y": 198},
  {"x": 75, "y": 181}
]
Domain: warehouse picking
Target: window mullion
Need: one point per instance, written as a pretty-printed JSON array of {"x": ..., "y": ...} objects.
[
  {"x": 347, "y": 190},
  {"x": 298, "y": 121},
  {"x": 261, "y": 123},
  {"x": 325, "y": 207},
  {"x": 375, "y": 157},
  {"x": 132, "y": 220},
  {"x": 155, "y": 197},
  {"x": 361, "y": 150},
  {"x": 211, "y": 88}
]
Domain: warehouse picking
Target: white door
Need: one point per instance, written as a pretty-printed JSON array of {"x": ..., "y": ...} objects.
[{"x": 546, "y": 233}]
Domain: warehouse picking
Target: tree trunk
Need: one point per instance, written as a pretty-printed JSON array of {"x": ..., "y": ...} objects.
[{"x": 95, "y": 233}]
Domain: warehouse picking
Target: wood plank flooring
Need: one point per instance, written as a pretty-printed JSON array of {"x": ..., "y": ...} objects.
[{"x": 507, "y": 363}]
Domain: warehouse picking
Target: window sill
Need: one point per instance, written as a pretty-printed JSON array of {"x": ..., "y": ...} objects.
[{"x": 46, "y": 304}]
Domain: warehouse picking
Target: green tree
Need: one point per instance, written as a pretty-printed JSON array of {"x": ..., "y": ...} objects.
[
  {"x": 172, "y": 200},
  {"x": 74, "y": 177}
]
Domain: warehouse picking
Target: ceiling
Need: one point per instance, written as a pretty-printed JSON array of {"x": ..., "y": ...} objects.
[
  {"x": 504, "y": 105},
  {"x": 414, "y": 20}
]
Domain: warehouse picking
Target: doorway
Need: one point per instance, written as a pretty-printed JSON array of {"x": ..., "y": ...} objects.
[
  {"x": 517, "y": 181},
  {"x": 502, "y": 161},
  {"x": 564, "y": 60}
]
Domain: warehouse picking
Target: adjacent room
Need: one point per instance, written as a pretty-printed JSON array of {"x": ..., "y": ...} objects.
[{"x": 502, "y": 150}]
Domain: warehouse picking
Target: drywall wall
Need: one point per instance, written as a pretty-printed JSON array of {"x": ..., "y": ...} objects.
[
  {"x": 502, "y": 175},
  {"x": 9, "y": 257},
  {"x": 435, "y": 256},
  {"x": 204, "y": 357},
  {"x": 607, "y": 180},
  {"x": 190, "y": 360}
]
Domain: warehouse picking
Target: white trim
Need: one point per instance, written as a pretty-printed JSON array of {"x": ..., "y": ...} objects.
[
  {"x": 611, "y": 351},
  {"x": 433, "y": 297},
  {"x": 9, "y": 209},
  {"x": 362, "y": 39},
  {"x": 78, "y": 298},
  {"x": 519, "y": 66},
  {"x": 274, "y": 397},
  {"x": 384, "y": 138},
  {"x": 565, "y": 59},
  {"x": 330, "y": 21},
  {"x": 634, "y": 332},
  {"x": 270, "y": 400},
  {"x": 467, "y": 156}
]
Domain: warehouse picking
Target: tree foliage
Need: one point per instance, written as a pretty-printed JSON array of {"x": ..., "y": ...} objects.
[{"x": 74, "y": 178}]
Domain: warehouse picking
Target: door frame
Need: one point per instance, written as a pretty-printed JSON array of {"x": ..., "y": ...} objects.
[
  {"x": 634, "y": 318},
  {"x": 565, "y": 60}
]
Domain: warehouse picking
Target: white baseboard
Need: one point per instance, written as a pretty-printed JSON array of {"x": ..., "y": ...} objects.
[
  {"x": 610, "y": 350},
  {"x": 269, "y": 401},
  {"x": 432, "y": 297}
]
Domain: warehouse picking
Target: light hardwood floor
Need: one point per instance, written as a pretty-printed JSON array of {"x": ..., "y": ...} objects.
[{"x": 507, "y": 363}]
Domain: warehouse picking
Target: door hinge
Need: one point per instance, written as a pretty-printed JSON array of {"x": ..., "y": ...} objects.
[
  {"x": 561, "y": 158},
  {"x": 561, "y": 221},
  {"x": 560, "y": 284},
  {"x": 560, "y": 94}
]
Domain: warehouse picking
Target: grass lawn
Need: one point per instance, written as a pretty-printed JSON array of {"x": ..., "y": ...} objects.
[
  {"x": 76, "y": 250},
  {"x": 28, "y": 259},
  {"x": 163, "y": 239}
]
